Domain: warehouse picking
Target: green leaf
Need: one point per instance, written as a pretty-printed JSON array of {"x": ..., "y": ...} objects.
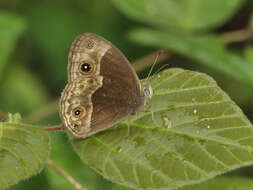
[
  {"x": 23, "y": 152},
  {"x": 223, "y": 183},
  {"x": 11, "y": 27},
  {"x": 206, "y": 49},
  {"x": 248, "y": 53},
  {"x": 120, "y": 187},
  {"x": 183, "y": 14},
  {"x": 21, "y": 91},
  {"x": 197, "y": 133},
  {"x": 65, "y": 158}
]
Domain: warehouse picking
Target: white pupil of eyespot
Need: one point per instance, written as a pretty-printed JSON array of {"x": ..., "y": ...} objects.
[{"x": 77, "y": 112}]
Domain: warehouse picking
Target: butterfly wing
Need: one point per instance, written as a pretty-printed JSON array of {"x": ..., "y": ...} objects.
[
  {"x": 76, "y": 105},
  {"x": 117, "y": 96}
]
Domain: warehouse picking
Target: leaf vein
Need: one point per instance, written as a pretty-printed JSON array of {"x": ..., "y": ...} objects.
[
  {"x": 227, "y": 129},
  {"x": 182, "y": 90},
  {"x": 167, "y": 79},
  {"x": 27, "y": 146},
  {"x": 211, "y": 156},
  {"x": 143, "y": 114},
  {"x": 190, "y": 164},
  {"x": 193, "y": 136},
  {"x": 20, "y": 161},
  {"x": 129, "y": 158},
  {"x": 190, "y": 79}
]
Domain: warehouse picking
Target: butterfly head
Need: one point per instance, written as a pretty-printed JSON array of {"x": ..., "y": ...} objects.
[{"x": 147, "y": 92}]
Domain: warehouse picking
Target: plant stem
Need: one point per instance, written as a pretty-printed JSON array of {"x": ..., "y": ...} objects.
[
  {"x": 43, "y": 112},
  {"x": 238, "y": 35},
  {"x": 54, "y": 128},
  {"x": 148, "y": 60},
  {"x": 67, "y": 177},
  {"x": 229, "y": 37}
]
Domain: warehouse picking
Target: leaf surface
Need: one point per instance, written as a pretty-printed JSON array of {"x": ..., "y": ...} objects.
[
  {"x": 23, "y": 152},
  {"x": 220, "y": 183},
  {"x": 223, "y": 183},
  {"x": 183, "y": 14},
  {"x": 197, "y": 132}
]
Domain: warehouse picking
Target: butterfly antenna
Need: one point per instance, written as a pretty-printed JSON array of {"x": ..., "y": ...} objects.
[
  {"x": 152, "y": 67},
  {"x": 165, "y": 65}
]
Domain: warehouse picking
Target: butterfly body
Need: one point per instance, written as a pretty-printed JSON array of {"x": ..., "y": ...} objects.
[{"x": 102, "y": 88}]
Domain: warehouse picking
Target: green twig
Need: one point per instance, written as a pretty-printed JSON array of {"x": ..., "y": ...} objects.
[{"x": 65, "y": 175}]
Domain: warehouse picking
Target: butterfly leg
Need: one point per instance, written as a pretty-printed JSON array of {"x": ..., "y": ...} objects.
[
  {"x": 128, "y": 127},
  {"x": 152, "y": 117}
]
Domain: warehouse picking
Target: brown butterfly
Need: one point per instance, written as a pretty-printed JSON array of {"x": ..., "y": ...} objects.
[{"x": 102, "y": 88}]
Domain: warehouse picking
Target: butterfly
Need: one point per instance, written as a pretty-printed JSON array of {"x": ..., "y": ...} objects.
[{"x": 102, "y": 89}]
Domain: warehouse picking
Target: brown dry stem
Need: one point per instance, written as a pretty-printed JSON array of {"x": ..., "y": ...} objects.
[{"x": 238, "y": 35}]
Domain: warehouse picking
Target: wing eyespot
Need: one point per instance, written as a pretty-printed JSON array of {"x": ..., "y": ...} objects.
[
  {"x": 78, "y": 112},
  {"x": 86, "y": 68}
]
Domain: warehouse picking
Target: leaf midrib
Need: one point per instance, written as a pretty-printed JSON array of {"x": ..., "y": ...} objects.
[
  {"x": 111, "y": 149},
  {"x": 193, "y": 136}
]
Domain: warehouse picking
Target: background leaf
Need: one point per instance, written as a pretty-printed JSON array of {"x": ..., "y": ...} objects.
[
  {"x": 12, "y": 27},
  {"x": 223, "y": 183},
  {"x": 248, "y": 52},
  {"x": 198, "y": 133},
  {"x": 183, "y": 14},
  {"x": 208, "y": 49},
  {"x": 23, "y": 151},
  {"x": 21, "y": 91}
]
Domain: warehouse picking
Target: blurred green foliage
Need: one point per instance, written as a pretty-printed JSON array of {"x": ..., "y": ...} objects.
[
  {"x": 180, "y": 15},
  {"x": 35, "y": 37},
  {"x": 11, "y": 28}
]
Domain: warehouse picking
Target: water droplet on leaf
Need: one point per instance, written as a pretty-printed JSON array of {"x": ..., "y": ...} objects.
[
  {"x": 139, "y": 141},
  {"x": 119, "y": 149},
  {"x": 167, "y": 122}
]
